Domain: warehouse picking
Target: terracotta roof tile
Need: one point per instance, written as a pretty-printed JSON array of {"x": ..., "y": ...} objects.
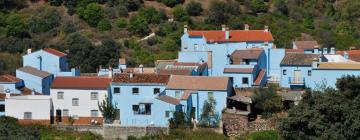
[
  {"x": 198, "y": 83},
  {"x": 34, "y": 71},
  {"x": 141, "y": 78},
  {"x": 238, "y": 70},
  {"x": 187, "y": 94},
  {"x": 294, "y": 50},
  {"x": 169, "y": 99},
  {"x": 175, "y": 72},
  {"x": 81, "y": 82},
  {"x": 54, "y": 52},
  {"x": 339, "y": 66},
  {"x": 122, "y": 61},
  {"x": 298, "y": 59},
  {"x": 238, "y": 55},
  {"x": 259, "y": 77},
  {"x": 9, "y": 79},
  {"x": 353, "y": 54},
  {"x": 306, "y": 44},
  {"x": 235, "y": 35}
]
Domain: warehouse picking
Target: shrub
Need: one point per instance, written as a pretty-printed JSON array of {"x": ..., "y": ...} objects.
[
  {"x": 180, "y": 14},
  {"x": 15, "y": 26},
  {"x": 55, "y": 2},
  {"x": 194, "y": 8},
  {"x": 104, "y": 25},
  {"x": 122, "y": 11},
  {"x": 172, "y": 3},
  {"x": 121, "y": 22},
  {"x": 44, "y": 21},
  {"x": 92, "y": 14},
  {"x": 267, "y": 101}
]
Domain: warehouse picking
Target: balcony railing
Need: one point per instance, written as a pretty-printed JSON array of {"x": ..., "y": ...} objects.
[{"x": 297, "y": 80}]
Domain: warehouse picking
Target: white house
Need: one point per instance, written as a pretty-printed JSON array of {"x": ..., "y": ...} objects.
[
  {"x": 78, "y": 97},
  {"x": 29, "y": 108}
]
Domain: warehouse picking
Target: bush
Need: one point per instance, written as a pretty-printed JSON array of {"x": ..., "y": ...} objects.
[
  {"x": 138, "y": 25},
  {"x": 122, "y": 11},
  {"x": 104, "y": 25},
  {"x": 267, "y": 101},
  {"x": 121, "y": 23},
  {"x": 92, "y": 14},
  {"x": 15, "y": 26},
  {"x": 172, "y": 3},
  {"x": 194, "y": 8},
  {"x": 180, "y": 14},
  {"x": 46, "y": 20}
]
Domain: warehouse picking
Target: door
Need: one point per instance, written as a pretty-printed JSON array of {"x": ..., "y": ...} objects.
[
  {"x": 58, "y": 115},
  {"x": 297, "y": 76}
]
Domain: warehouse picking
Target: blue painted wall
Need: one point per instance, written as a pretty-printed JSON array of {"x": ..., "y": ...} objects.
[
  {"x": 290, "y": 74},
  {"x": 38, "y": 84},
  {"x": 328, "y": 77}
]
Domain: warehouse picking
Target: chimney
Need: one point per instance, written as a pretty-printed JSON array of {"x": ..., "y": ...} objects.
[
  {"x": 33, "y": 92},
  {"x": 332, "y": 50},
  {"x": 185, "y": 29},
  {"x": 315, "y": 62},
  {"x": 141, "y": 68},
  {"x": 227, "y": 34},
  {"x": 223, "y": 27},
  {"x": 346, "y": 55},
  {"x": 28, "y": 51},
  {"x": 7, "y": 95},
  {"x": 110, "y": 75},
  {"x": 316, "y": 49},
  {"x": 131, "y": 75},
  {"x": 266, "y": 28},
  {"x": 325, "y": 50},
  {"x": 246, "y": 27}
]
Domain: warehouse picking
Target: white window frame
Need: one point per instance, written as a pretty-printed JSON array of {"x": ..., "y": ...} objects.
[
  {"x": 94, "y": 113},
  {"x": 28, "y": 115},
  {"x": 65, "y": 112},
  {"x": 73, "y": 103}
]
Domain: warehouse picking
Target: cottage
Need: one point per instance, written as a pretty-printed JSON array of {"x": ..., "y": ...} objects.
[
  {"x": 78, "y": 98},
  {"x": 37, "y": 80}
]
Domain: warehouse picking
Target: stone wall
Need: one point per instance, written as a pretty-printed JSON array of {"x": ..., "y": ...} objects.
[
  {"x": 96, "y": 129},
  {"x": 238, "y": 124}
]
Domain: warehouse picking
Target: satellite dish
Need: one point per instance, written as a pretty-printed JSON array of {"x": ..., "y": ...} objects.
[{"x": 7, "y": 90}]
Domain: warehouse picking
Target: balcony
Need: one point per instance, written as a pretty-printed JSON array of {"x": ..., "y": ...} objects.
[{"x": 296, "y": 80}]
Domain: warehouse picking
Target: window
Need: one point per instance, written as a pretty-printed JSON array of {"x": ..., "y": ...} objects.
[
  {"x": 177, "y": 94},
  {"x": 309, "y": 72},
  {"x": 142, "y": 109},
  {"x": 60, "y": 95},
  {"x": 245, "y": 80},
  {"x": 284, "y": 72},
  {"x": 94, "y": 96},
  {"x": 167, "y": 114},
  {"x": 247, "y": 61},
  {"x": 210, "y": 95},
  {"x": 2, "y": 108},
  {"x": 94, "y": 113},
  {"x": 27, "y": 115},
  {"x": 135, "y": 91},
  {"x": 116, "y": 90},
  {"x": 196, "y": 47},
  {"x": 156, "y": 90},
  {"x": 75, "y": 102},
  {"x": 66, "y": 112}
]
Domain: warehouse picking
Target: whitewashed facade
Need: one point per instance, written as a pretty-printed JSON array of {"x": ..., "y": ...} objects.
[{"x": 29, "y": 107}]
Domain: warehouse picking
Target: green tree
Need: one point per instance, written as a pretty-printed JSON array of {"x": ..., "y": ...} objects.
[
  {"x": 138, "y": 25},
  {"x": 55, "y": 2},
  {"x": 209, "y": 117},
  {"x": 258, "y": 5},
  {"x": 121, "y": 22},
  {"x": 326, "y": 114},
  {"x": 108, "y": 110},
  {"x": 44, "y": 21},
  {"x": 104, "y": 25},
  {"x": 92, "y": 14},
  {"x": 220, "y": 12},
  {"x": 267, "y": 101},
  {"x": 194, "y": 8},
  {"x": 151, "y": 15},
  {"x": 180, "y": 14},
  {"x": 15, "y": 26},
  {"x": 178, "y": 120}
]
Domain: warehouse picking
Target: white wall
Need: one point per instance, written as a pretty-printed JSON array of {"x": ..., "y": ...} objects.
[
  {"x": 40, "y": 108},
  {"x": 85, "y": 102}
]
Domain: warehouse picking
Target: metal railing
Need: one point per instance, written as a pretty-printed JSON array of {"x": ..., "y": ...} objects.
[{"x": 297, "y": 80}]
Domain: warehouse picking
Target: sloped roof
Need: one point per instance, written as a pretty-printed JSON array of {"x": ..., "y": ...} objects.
[
  {"x": 247, "y": 54},
  {"x": 298, "y": 59},
  {"x": 34, "y": 71},
  {"x": 141, "y": 78},
  {"x": 235, "y": 35},
  {"x": 174, "y": 72},
  {"x": 54, "y": 52},
  {"x": 353, "y": 54},
  {"x": 306, "y": 45},
  {"x": 238, "y": 70},
  {"x": 81, "y": 82},
  {"x": 198, "y": 83},
  {"x": 339, "y": 66},
  {"x": 122, "y": 61},
  {"x": 259, "y": 77},
  {"x": 168, "y": 99},
  {"x": 9, "y": 79}
]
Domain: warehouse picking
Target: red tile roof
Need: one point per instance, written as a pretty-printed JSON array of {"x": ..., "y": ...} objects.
[
  {"x": 141, "y": 78},
  {"x": 298, "y": 59},
  {"x": 169, "y": 99},
  {"x": 238, "y": 70},
  {"x": 353, "y": 54},
  {"x": 175, "y": 72},
  {"x": 294, "y": 50},
  {"x": 306, "y": 44},
  {"x": 247, "y": 54},
  {"x": 198, "y": 83},
  {"x": 54, "y": 52},
  {"x": 81, "y": 82},
  {"x": 9, "y": 79},
  {"x": 235, "y": 35},
  {"x": 259, "y": 77}
]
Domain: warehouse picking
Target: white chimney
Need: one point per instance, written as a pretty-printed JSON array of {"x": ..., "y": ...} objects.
[
  {"x": 325, "y": 50},
  {"x": 28, "y": 51},
  {"x": 7, "y": 95},
  {"x": 346, "y": 55},
  {"x": 315, "y": 63},
  {"x": 131, "y": 75},
  {"x": 332, "y": 50},
  {"x": 266, "y": 28},
  {"x": 185, "y": 29},
  {"x": 227, "y": 34},
  {"x": 223, "y": 27},
  {"x": 110, "y": 75},
  {"x": 141, "y": 68},
  {"x": 246, "y": 27}
]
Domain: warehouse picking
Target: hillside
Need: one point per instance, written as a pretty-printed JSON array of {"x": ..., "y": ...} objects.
[{"x": 97, "y": 32}]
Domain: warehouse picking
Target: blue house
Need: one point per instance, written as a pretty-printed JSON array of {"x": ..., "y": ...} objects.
[
  {"x": 193, "y": 91},
  {"x": 173, "y": 67},
  {"x": 215, "y": 47},
  {"x": 141, "y": 101},
  {"x": 307, "y": 46},
  {"x": 296, "y": 69},
  {"x": 8, "y": 85},
  {"x": 34, "y": 79},
  {"x": 51, "y": 61}
]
